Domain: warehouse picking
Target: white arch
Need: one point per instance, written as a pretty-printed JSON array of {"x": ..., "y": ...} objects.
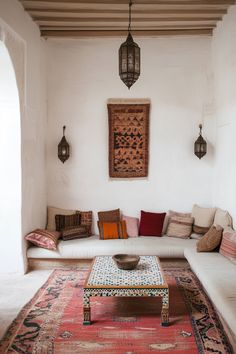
[{"x": 10, "y": 161}]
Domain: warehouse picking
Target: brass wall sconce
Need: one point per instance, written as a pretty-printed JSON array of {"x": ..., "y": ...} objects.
[
  {"x": 200, "y": 145},
  {"x": 63, "y": 148}
]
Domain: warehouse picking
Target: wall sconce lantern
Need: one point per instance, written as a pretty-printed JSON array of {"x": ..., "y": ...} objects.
[
  {"x": 200, "y": 145},
  {"x": 129, "y": 58},
  {"x": 63, "y": 148}
]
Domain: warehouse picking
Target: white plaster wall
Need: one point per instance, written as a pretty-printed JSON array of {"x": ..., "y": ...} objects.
[
  {"x": 176, "y": 76},
  {"x": 224, "y": 65},
  {"x": 33, "y": 118}
]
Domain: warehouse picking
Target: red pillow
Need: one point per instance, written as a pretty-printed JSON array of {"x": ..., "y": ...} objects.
[{"x": 151, "y": 224}]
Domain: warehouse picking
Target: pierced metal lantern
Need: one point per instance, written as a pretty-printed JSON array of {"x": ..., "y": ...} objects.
[
  {"x": 200, "y": 145},
  {"x": 129, "y": 58},
  {"x": 63, "y": 148}
]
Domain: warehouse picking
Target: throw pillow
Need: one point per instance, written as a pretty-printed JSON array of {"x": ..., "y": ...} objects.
[
  {"x": 228, "y": 245},
  {"x": 131, "y": 225},
  {"x": 65, "y": 221},
  {"x": 109, "y": 215},
  {"x": 168, "y": 216},
  {"x": 52, "y": 212},
  {"x": 86, "y": 219},
  {"x": 44, "y": 238},
  {"x": 112, "y": 230},
  {"x": 180, "y": 226},
  {"x": 222, "y": 218},
  {"x": 151, "y": 224},
  {"x": 203, "y": 219},
  {"x": 211, "y": 240},
  {"x": 74, "y": 232}
]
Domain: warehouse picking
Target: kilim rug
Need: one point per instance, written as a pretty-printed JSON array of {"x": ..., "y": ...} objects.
[{"x": 52, "y": 321}]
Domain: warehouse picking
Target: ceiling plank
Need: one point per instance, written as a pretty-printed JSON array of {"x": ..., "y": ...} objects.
[{"x": 149, "y": 33}]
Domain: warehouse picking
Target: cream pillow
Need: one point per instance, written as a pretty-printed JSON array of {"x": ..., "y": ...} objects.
[
  {"x": 203, "y": 219},
  {"x": 222, "y": 218},
  {"x": 52, "y": 212}
]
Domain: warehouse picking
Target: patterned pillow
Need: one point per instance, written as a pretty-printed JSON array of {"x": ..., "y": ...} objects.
[
  {"x": 151, "y": 224},
  {"x": 180, "y": 226},
  {"x": 211, "y": 240},
  {"x": 131, "y": 225},
  {"x": 65, "y": 221},
  {"x": 44, "y": 238},
  {"x": 86, "y": 219},
  {"x": 52, "y": 212},
  {"x": 112, "y": 230},
  {"x": 74, "y": 232},
  {"x": 109, "y": 215},
  {"x": 203, "y": 219},
  {"x": 228, "y": 245}
]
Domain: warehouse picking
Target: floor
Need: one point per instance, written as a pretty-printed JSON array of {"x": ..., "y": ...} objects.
[{"x": 15, "y": 291}]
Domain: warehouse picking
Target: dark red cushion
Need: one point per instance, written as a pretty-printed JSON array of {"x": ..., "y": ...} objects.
[{"x": 151, "y": 224}]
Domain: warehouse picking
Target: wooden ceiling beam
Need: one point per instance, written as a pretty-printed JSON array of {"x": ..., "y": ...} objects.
[
  {"x": 151, "y": 33},
  {"x": 108, "y": 12},
  {"x": 40, "y": 19},
  {"x": 144, "y": 2}
]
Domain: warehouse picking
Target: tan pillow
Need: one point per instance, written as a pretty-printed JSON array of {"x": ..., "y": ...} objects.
[
  {"x": 52, "y": 212},
  {"x": 109, "y": 215},
  {"x": 180, "y": 226},
  {"x": 223, "y": 218},
  {"x": 211, "y": 240},
  {"x": 203, "y": 219}
]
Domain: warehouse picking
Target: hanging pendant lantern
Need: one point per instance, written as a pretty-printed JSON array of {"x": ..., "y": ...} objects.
[
  {"x": 129, "y": 58},
  {"x": 200, "y": 145},
  {"x": 63, "y": 148}
]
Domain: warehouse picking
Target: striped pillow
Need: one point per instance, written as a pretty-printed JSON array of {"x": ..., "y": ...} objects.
[
  {"x": 44, "y": 238},
  {"x": 65, "y": 221},
  {"x": 228, "y": 245},
  {"x": 112, "y": 230},
  {"x": 180, "y": 226},
  {"x": 74, "y": 232}
]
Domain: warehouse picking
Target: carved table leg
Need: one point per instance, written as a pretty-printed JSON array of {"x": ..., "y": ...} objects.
[
  {"x": 86, "y": 309},
  {"x": 165, "y": 309}
]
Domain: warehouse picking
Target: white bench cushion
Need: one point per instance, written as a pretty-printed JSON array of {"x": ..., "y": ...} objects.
[{"x": 90, "y": 247}]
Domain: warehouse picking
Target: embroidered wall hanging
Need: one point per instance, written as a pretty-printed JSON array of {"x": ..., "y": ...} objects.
[{"x": 128, "y": 138}]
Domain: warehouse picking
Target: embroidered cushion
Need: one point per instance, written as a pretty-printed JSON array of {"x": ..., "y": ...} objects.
[
  {"x": 131, "y": 225},
  {"x": 52, "y": 212},
  {"x": 112, "y": 230},
  {"x": 228, "y": 245},
  {"x": 180, "y": 226},
  {"x": 86, "y": 219},
  {"x": 65, "y": 221},
  {"x": 74, "y": 232},
  {"x": 151, "y": 224},
  {"x": 211, "y": 240},
  {"x": 44, "y": 238},
  {"x": 203, "y": 219},
  {"x": 109, "y": 215}
]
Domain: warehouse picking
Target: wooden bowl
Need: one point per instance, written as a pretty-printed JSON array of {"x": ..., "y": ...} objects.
[{"x": 126, "y": 261}]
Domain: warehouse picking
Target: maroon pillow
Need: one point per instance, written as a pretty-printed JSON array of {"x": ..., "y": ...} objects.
[{"x": 151, "y": 224}]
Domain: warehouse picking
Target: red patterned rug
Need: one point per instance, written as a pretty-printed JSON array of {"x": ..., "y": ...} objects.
[{"x": 52, "y": 321}]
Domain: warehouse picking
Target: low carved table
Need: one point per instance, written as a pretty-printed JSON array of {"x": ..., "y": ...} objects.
[{"x": 106, "y": 279}]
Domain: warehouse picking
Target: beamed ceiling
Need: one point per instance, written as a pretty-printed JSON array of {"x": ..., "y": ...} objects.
[{"x": 80, "y": 18}]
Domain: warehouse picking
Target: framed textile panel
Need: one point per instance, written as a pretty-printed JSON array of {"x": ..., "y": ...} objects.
[{"x": 128, "y": 139}]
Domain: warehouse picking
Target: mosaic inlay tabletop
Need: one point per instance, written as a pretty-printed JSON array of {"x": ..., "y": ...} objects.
[{"x": 106, "y": 273}]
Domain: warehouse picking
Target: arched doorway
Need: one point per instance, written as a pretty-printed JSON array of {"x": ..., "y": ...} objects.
[{"x": 10, "y": 161}]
